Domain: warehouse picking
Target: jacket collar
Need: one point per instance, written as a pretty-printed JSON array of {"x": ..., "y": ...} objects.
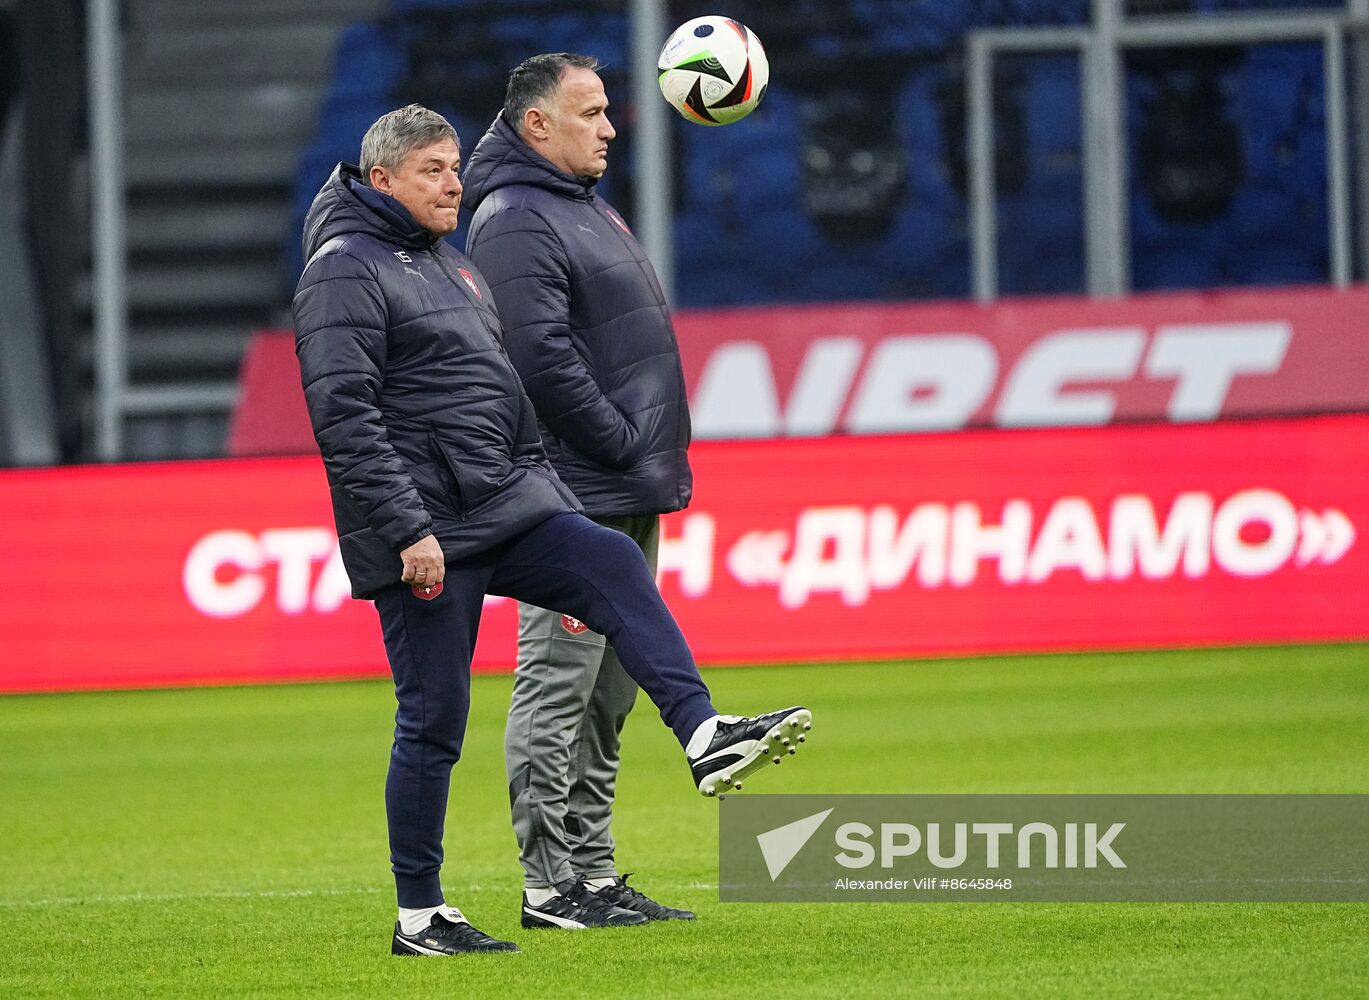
[{"x": 501, "y": 158}]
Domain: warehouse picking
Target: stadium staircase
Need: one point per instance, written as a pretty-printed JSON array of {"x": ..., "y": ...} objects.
[{"x": 220, "y": 100}]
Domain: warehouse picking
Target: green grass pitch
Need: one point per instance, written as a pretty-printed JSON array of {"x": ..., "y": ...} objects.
[{"x": 231, "y": 842}]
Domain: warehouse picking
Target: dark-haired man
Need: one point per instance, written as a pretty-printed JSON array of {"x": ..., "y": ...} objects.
[
  {"x": 587, "y": 327},
  {"x": 442, "y": 493}
]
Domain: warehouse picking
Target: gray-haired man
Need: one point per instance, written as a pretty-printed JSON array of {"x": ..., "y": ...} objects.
[
  {"x": 442, "y": 493},
  {"x": 588, "y": 329}
]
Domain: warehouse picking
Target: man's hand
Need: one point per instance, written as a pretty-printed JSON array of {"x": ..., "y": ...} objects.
[{"x": 424, "y": 565}]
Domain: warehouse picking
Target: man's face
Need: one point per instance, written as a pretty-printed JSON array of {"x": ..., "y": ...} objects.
[
  {"x": 427, "y": 184},
  {"x": 578, "y": 129}
]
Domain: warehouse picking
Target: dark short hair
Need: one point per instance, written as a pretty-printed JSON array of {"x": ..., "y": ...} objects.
[
  {"x": 536, "y": 79},
  {"x": 395, "y": 135}
]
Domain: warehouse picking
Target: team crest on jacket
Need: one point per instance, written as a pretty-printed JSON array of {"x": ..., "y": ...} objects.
[
  {"x": 573, "y": 625},
  {"x": 470, "y": 280},
  {"x": 617, "y": 220}
]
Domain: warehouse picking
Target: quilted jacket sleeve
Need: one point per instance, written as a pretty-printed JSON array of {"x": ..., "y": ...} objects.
[
  {"x": 340, "y": 337},
  {"x": 528, "y": 271}
]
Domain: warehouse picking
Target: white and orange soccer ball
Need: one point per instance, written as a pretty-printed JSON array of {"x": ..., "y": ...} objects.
[{"x": 713, "y": 70}]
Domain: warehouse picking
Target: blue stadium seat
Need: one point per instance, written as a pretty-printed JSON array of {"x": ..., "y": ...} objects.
[
  {"x": 741, "y": 233},
  {"x": 1040, "y": 231},
  {"x": 1260, "y": 6},
  {"x": 915, "y": 117},
  {"x": 1264, "y": 211},
  {"x": 1054, "y": 108},
  {"x": 711, "y": 268},
  {"x": 1147, "y": 228},
  {"x": 890, "y": 31},
  {"x": 1279, "y": 264},
  {"x": 369, "y": 60},
  {"x": 1174, "y": 268},
  {"x": 740, "y": 186},
  {"x": 367, "y": 68},
  {"x": 409, "y": 6}
]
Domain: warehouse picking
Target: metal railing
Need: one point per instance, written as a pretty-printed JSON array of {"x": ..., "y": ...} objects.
[{"x": 1101, "y": 46}]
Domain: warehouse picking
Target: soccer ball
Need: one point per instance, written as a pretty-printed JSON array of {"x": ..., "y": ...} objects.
[{"x": 713, "y": 70}]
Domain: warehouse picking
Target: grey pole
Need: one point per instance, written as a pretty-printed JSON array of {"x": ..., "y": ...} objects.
[
  {"x": 109, "y": 299},
  {"x": 28, "y": 428},
  {"x": 1337, "y": 157},
  {"x": 654, "y": 175},
  {"x": 979, "y": 139},
  {"x": 1105, "y": 174}
]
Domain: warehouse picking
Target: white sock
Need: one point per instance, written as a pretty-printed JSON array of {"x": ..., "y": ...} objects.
[
  {"x": 411, "y": 921},
  {"x": 536, "y": 897},
  {"x": 703, "y": 735},
  {"x": 601, "y": 883}
]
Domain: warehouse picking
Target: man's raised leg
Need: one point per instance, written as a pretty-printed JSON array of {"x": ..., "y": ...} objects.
[{"x": 569, "y": 563}]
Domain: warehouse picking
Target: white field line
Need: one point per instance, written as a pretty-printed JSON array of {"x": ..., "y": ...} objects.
[{"x": 172, "y": 897}]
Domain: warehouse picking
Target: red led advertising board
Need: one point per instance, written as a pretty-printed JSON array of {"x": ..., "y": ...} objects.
[
  {"x": 794, "y": 550},
  {"x": 898, "y": 368},
  {"x": 894, "y": 368}
]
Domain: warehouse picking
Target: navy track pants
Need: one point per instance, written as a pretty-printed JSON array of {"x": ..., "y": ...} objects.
[{"x": 566, "y": 563}]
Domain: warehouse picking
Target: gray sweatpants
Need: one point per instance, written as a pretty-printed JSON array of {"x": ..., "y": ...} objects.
[{"x": 571, "y": 697}]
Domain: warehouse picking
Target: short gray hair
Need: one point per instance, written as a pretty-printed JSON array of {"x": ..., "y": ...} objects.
[
  {"x": 536, "y": 79},
  {"x": 397, "y": 134}
]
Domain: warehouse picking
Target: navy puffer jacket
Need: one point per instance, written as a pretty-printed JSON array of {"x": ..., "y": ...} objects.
[
  {"x": 422, "y": 421},
  {"x": 587, "y": 327}
]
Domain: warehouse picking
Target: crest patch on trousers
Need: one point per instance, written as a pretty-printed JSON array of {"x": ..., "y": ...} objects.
[{"x": 573, "y": 625}]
